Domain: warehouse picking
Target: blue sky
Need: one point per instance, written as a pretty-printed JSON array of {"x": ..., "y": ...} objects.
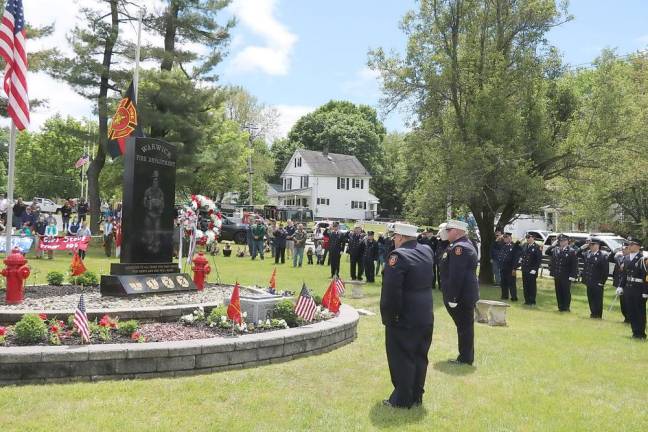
[
  {"x": 327, "y": 57},
  {"x": 295, "y": 55}
]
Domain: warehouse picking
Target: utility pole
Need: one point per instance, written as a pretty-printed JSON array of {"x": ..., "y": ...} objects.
[{"x": 250, "y": 129}]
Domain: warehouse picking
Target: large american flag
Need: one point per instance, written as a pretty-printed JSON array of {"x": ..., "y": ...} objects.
[
  {"x": 81, "y": 321},
  {"x": 339, "y": 286},
  {"x": 306, "y": 306},
  {"x": 13, "y": 51}
]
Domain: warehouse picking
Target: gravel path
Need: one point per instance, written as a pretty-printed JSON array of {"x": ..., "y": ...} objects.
[{"x": 66, "y": 297}]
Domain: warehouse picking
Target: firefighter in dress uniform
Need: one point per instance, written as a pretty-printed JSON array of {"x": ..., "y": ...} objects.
[{"x": 634, "y": 286}]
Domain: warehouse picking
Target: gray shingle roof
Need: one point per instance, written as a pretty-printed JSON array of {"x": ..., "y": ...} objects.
[{"x": 334, "y": 164}]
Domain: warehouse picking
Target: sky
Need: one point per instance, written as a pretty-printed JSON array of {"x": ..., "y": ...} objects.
[{"x": 295, "y": 55}]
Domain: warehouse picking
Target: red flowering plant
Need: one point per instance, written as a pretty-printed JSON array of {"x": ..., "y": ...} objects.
[
  {"x": 138, "y": 337},
  {"x": 106, "y": 321},
  {"x": 3, "y": 334},
  {"x": 106, "y": 325},
  {"x": 55, "y": 330},
  {"x": 42, "y": 316}
]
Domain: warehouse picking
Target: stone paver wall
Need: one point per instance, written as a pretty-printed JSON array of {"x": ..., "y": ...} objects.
[{"x": 45, "y": 364}]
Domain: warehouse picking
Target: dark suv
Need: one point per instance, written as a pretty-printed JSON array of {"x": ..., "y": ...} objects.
[{"x": 233, "y": 231}]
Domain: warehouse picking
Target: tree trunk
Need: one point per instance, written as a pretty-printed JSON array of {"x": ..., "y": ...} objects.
[
  {"x": 170, "y": 35},
  {"x": 485, "y": 221},
  {"x": 98, "y": 162}
]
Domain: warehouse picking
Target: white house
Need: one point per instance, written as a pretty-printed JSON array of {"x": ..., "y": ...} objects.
[{"x": 332, "y": 185}]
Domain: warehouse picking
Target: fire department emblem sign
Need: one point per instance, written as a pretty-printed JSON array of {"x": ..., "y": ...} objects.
[{"x": 124, "y": 121}]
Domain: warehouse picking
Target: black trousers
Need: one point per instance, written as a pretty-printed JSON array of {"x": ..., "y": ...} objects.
[
  {"x": 624, "y": 309},
  {"x": 595, "y": 299},
  {"x": 636, "y": 308},
  {"x": 529, "y": 287},
  {"x": 508, "y": 284},
  {"x": 334, "y": 260},
  {"x": 563, "y": 292},
  {"x": 280, "y": 253},
  {"x": 436, "y": 276},
  {"x": 369, "y": 270},
  {"x": 356, "y": 267},
  {"x": 464, "y": 318},
  {"x": 407, "y": 351}
]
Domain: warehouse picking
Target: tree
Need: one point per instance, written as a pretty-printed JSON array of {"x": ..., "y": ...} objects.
[
  {"x": 612, "y": 112},
  {"x": 342, "y": 127},
  {"x": 492, "y": 115},
  {"x": 45, "y": 160}
]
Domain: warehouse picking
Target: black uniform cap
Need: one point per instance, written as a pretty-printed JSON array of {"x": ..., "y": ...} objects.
[
  {"x": 634, "y": 240},
  {"x": 563, "y": 237}
]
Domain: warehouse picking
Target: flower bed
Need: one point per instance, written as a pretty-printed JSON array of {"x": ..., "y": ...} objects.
[{"x": 40, "y": 329}]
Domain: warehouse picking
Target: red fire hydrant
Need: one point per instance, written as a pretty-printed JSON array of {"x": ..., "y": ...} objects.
[
  {"x": 201, "y": 269},
  {"x": 16, "y": 272}
]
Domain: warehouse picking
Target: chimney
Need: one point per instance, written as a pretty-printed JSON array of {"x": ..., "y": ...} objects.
[{"x": 325, "y": 151}]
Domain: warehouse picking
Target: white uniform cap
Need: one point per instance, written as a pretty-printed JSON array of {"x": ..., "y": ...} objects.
[
  {"x": 405, "y": 229},
  {"x": 452, "y": 223}
]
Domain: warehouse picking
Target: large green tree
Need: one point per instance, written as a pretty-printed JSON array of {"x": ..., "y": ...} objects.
[
  {"x": 492, "y": 115},
  {"x": 45, "y": 160},
  {"x": 342, "y": 127}
]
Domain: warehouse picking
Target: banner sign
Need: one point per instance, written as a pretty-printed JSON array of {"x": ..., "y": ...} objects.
[
  {"x": 22, "y": 243},
  {"x": 64, "y": 243}
]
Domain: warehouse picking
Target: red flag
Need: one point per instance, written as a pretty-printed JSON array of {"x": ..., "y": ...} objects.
[
  {"x": 77, "y": 265},
  {"x": 234, "y": 308},
  {"x": 331, "y": 299},
  {"x": 273, "y": 279}
]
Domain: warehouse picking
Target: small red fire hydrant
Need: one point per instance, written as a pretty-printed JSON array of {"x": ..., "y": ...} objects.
[
  {"x": 16, "y": 272},
  {"x": 201, "y": 269}
]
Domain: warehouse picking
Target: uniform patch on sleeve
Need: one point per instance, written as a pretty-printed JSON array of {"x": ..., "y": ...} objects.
[
  {"x": 393, "y": 259},
  {"x": 458, "y": 250}
]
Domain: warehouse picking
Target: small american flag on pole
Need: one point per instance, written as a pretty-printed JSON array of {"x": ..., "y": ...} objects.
[
  {"x": 306, "y": 306},
  {"x": 14, "y": 52},
  {"x": 339, "y": 286},
  {"x": 81, "y": 321}
]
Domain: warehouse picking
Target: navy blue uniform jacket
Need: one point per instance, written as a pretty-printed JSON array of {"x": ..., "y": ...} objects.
[
  {"x": 406, "y": 297},
  {"x": 458, "y": 269}
]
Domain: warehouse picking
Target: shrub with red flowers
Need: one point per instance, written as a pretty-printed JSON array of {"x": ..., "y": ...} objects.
[
  {"x": 138, "y": 337},
  {"x": 106, "y": 321},
  {"x": 3, "y": 334}
]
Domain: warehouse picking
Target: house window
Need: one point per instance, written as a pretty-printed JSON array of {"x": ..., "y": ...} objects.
[
  {"x": 343, "y": 183},
  {"x": 359, "y": 205},
  {"x": 323, "y": 201},
  {"x": 357, "y": 183},
  {"x": 289, "y": 183},
  {"x": 298, "y": 161},
  {"x": 303, "y": 182}
]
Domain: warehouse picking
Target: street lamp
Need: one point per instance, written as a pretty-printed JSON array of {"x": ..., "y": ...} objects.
[{"x": 250, "y": 128}]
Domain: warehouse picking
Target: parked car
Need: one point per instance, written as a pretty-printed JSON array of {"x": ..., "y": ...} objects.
[
  {"x": 610, "y": 243},
  {"x": 540, "y": 236},
  {"x": 233, "y": 231},
  {"x": 45, "y": 205},
  {"x": 343, "y": 228},
  {"x": 579, "y": 239}
]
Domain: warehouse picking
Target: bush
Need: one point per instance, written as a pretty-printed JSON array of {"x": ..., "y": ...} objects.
[
  {"x": 30, "y": 330},
  {"x": 86, "y": 279},
  {"x": 127, "y": 328},
  {"x": 55, "y": 278},
  {"x": 216, "y": 314},
  {"x": 285, "y": 310},
  {"x": 317, "y": 299}
]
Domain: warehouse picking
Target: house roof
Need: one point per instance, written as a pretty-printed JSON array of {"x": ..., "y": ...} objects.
[
  {"x": 334, "y": 164},
  {"x": 274, "y": 189}
]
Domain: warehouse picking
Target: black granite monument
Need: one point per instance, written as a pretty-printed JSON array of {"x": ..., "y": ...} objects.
[{"x": 148, "y": 211}]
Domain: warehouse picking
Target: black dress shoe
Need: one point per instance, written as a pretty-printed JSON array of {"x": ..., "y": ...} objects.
[
  {"x": 459, "y": 362},
  {"x": 388, "y": 404},
  {"x": 514, "y": 299}
]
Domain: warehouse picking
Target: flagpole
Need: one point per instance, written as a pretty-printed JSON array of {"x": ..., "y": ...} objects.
[
  {"x": 10, "y": 186},
  {"x": 137, "y": 53}
]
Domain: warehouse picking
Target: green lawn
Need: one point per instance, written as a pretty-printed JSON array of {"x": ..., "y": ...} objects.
[{"x": 544, "y": 372}]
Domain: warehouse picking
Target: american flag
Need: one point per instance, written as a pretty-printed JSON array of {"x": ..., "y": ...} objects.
[
  {"x": 82, "y": 161},
  {"x": 339, "y": 286},
  {"x": 13, "y": 51},
  {"x": 306, "y": 306},
  {"x": 81, "y": 321}
]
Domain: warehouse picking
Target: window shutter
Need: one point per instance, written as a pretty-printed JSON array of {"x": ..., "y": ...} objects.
[{"x": 362, "y": 184}]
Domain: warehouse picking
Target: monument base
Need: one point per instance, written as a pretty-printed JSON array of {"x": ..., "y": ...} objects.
[{"x": 125, "y": 285}]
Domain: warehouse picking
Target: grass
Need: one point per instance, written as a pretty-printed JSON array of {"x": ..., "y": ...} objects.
[{"x": 544, "y": 372}]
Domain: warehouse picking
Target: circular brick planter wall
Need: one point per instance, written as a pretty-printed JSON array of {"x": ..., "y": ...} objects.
[{"x": 44, "y": 364}]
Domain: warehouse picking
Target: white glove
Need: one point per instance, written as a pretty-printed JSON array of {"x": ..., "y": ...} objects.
[
  {"x": 619, "y": 291},
  {"x": 452, "y": 305},
  {"x": 572, "y": 279},
  {"x": 532, "y": 272},
  {"x": 600, "y": 284},
  {"x": 644, "y": 295}
]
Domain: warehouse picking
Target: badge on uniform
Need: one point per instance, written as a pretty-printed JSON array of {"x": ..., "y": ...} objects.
[
  {"x": 445, "y": 255},
  {"x": 393, "y": 259},
  {"x": 458, "y": 250}
]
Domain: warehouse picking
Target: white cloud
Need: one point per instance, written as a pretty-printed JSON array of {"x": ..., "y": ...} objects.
[
  {"x": 642, "y": 40},
  {"x": 288, "y": 116},
  {"x": 273, "y": 56}
]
